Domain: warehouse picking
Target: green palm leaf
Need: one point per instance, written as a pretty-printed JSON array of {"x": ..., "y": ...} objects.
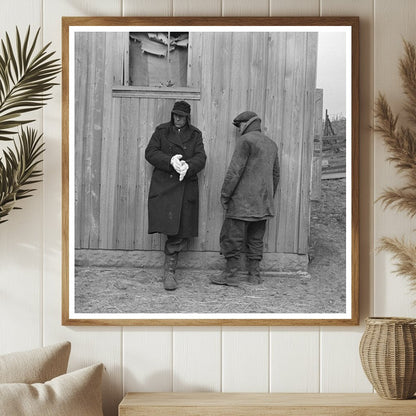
[
  {"x": 25, "y": 79},
  {"x": 19, "y": 170}
]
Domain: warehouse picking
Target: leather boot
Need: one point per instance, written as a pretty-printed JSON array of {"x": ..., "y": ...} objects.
[
  {"x": 254, "y": 272},
  {"x": 229, "y": 276},
  {"x": 169, "y": 280}
]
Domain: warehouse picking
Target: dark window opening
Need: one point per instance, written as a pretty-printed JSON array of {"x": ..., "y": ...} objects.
[{"x": 158, "y": 59}]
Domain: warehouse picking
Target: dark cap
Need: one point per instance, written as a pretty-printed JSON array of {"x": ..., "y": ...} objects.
[
  {"x": 244, "y": 117},
  {"x": 182, "y": 108}
]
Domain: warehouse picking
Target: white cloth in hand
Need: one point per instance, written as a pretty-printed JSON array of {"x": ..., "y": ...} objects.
[
  {"x": 183, "y": 171},
  {"x": 176, "y": 163}
]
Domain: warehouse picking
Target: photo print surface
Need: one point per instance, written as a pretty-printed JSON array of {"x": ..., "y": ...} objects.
[{"x": 243, "y": 213}]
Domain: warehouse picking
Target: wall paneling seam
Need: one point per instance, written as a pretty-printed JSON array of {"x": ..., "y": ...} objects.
[
  {"x": 122, "y": 360},
  {"x": 320, "y": 328},
  {"x": 172, "y": 358},
  {"x": 374, "y": 162},
  {"x": 221, "y": 360},
  {"x": 42, "y": 277},
  {"x": 269, "y": 352}
]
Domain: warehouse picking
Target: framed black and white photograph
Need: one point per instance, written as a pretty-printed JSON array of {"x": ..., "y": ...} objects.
[{"x": 210, "y": 171}]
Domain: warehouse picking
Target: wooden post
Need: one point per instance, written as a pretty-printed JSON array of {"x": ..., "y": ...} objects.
[{"x": 317, "y": 148}]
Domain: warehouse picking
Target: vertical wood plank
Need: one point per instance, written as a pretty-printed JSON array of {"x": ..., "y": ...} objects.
[
  {"x": 310, "y": 53},
  {"x": 393, "y": 22},
  {"x": 294, "y": 360},
  {"x": 340, "y": 362},
  {"x": 273, "y": 127},
  {"x": 294, "y": 8},
  {"x": 205, "y": 115},
  {"x": 194, "y": 60},
  {"x": 194, "y": 80},
  {"x": 196, "y": 8},
  {"x": 135, "y": 170},
  {"x": 21, "y": 237},
  {"x": 84, "y": 143},
  {"x": 89, "y": 344},
  {"x": 81, "y": 64},
  {"x": 147, "y": 8},
  {"x": 110, "y": 129},
  {"x": 91, "y": 139},
  {"x": 196, "y": 359},
  {"x": 291, "y": 134},
  {"x": 147, "y": 359},
  {"x": 317, "y": 151},
  {"x": 143, "y": 239},
  {"x": 257, "y": 66},
  {"x": 203, "y": 118},
  {"x": 219, "y": 127},
  {"x": 245, "y": 355},
  {"x": 112, "y": 156},
  {"x": 123, "y": 176},
  {"x": 245, "y": 8}
]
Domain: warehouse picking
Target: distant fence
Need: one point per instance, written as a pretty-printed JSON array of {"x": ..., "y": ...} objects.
[{"x": 333, "y": 157}]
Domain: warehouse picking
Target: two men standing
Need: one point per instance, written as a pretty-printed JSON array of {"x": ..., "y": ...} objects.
[{"x": 177, "y": 153}]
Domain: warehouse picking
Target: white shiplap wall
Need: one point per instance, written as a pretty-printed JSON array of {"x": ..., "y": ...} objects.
[{"x": 261, "y": 359}]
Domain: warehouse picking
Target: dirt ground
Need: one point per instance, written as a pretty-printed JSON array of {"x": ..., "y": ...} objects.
[{"x": 321, "y": 290}]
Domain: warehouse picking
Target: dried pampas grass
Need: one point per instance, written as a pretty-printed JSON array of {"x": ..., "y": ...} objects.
[{"x": 401, "y": 143}]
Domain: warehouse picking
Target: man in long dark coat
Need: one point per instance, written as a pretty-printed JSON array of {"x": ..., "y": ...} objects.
[
  {"x": 177, "y": 153},
  {"x": 247, "y": 196}
]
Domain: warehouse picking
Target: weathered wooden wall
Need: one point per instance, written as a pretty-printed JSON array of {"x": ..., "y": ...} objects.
[{"x": 272, "y": 74}]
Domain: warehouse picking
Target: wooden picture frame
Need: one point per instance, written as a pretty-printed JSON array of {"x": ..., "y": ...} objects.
[{"x": 111, "y": 267}]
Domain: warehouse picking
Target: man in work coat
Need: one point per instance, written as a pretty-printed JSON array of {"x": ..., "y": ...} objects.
[
  {"x": 177, "y": 153},
  {"x": 247, "y": 196}
]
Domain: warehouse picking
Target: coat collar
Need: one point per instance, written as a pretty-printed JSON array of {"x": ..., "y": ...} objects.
[
  {"x": 251, "y": 125},
  {"x": 179, "y": 138}
]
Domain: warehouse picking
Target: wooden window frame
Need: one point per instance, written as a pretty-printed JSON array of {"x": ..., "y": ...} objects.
[
  {"x": 138, "y": 91},
  {"x": 69, "y": 317}
]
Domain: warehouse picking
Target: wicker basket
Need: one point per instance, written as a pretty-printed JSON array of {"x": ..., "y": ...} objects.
[{"x": 388, "y": 356}]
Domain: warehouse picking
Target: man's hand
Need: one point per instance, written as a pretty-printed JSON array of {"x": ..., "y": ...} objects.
[
  {"x": 224, "y": 203},
  {"x": 184, "y": 169},
  {"x": 176, "y": 163}
]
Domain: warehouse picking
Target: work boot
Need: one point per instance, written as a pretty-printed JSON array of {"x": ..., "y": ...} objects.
[
  {"x": 229, "y": 276},
  {"x": 169, "y": 281},
  {"x": 254, "y": 272}
]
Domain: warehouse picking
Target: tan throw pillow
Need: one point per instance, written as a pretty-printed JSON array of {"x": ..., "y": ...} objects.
[
  {"x": 35, "y": 366},
  {"x": 73, "y": 394}
]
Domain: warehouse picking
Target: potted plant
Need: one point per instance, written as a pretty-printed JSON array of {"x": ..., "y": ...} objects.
[{"x": 388, "y": 345}]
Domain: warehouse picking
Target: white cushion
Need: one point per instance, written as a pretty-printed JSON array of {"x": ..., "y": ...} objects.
[
  {"x": 35, "y": 366},
  {"x": 73, "y": 394}
]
